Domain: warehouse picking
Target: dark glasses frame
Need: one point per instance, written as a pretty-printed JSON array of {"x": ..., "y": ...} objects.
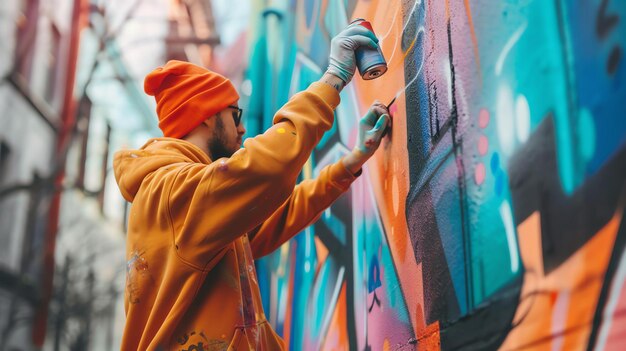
[{"x": 237, "y": 117}]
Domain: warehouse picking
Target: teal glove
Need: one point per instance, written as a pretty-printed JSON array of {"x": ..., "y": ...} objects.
[
  {"x": 372, "y": 129},
  {"x": 342, "y": 62}
]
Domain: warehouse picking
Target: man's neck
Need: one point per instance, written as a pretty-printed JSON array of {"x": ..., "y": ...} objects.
[{"x": 200, "y": 143}]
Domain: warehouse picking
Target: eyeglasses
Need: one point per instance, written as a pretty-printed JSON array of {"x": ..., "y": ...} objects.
[{"x": 237, "y": 117}]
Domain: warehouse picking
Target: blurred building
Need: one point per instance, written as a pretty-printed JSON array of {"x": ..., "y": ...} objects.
[
  {"x": 70, "y": 96},
  {"x": 194, "y": 36},
  {"x": 191, "y": 32},
  {"x": 37, "y": 64}
]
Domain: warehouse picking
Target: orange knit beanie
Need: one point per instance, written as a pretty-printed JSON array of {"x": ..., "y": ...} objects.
[{"x": 186, "y": 95}]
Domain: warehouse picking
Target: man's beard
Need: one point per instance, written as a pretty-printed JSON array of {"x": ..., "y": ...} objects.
[{"x": 217, "y": 146}]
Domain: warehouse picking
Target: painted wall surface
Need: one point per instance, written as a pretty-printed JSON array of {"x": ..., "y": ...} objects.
[{"x": 492, "y": 216}]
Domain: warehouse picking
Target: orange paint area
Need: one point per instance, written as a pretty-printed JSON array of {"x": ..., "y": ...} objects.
[
  {"x": 337, "y": 336},
  {"x": 556, "y": 310}
]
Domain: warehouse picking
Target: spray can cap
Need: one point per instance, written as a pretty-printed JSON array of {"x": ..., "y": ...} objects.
[{"x": 364, "y": 23}]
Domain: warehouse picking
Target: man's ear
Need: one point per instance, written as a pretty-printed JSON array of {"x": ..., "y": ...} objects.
[{"x": 210, "y": 122}]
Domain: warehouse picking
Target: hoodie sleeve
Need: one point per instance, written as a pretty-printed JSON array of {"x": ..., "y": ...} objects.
[
  {"x": 212, "y": 205},
  {"x": 308, "y": 200}
]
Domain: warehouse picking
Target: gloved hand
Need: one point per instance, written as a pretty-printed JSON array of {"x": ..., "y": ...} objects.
[
  {"x": 372, "y": 128},
  {"x": 371, "y": 131},
  {"x": 342, "y": 62}
]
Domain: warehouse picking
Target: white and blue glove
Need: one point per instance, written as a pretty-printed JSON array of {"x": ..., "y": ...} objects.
[
  {"x": 372, "y": 129},
  {"x": 342, "y": 61}
]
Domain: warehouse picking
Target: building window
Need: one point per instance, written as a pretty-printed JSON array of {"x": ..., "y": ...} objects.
[
  {"x": 26, "y": 37},
  {"x": 51, "y": 62}
]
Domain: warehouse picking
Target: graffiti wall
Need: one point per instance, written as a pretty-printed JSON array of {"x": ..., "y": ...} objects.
[{"x": 492, "y": 215}]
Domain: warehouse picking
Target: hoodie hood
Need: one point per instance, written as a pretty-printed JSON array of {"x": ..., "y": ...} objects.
[{"x": 131, "y": 167}]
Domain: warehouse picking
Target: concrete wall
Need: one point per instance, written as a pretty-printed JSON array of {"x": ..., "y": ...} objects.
[{"x": 492, "y": 216}]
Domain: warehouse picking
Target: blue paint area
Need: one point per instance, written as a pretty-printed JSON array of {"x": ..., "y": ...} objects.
[
  {"x": 371, "y": 244},
  {"x": 373, "y": 279},
  {"x": 598, "y": 90},
  {"x": 303, "y": 282},
  {"x": 322, "y": 299},
  {"x": 490, "y": 250},
  {"x": 495, "y": 163},
  {"x": 328, "y": 136},
  {"x": 498, "y": 173},
  {"x": 500, "y": 180},
  {"x": 420, "y": 143},
  {"x": 335, "y": 225},
  {"x": 446, "y": 200},
  {"x": 586, "y": 135}
]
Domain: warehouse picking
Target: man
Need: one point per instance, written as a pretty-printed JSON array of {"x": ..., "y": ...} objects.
[{"x": 203, "y": 207}]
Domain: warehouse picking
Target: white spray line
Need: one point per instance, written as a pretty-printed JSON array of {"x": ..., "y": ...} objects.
[
  {"x": 393, "y": 21},
  {"x": 559, "y": 318},
  {"x": 334, "y": 300},
  {"x": 408, "y": 19},
  {"x": 508, "y": 46},
  {"x": 507, "y": 219},
  {"x": 421, "y": 29},
  {"x": 395, "y": 44},
  {"x": 609, "y": 311}
]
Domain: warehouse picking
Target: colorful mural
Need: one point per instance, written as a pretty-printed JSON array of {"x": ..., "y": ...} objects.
[{"x": 492, "y": 216}]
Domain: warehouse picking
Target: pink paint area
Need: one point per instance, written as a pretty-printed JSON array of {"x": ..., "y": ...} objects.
[
  {"x": 483, "y": 145},
  {"x": 223, "y": 166},
  {"x": 382, "y": 317},
  {"x": 393, "y": 109},
  {"x": 483, "y": 118},
  {"x": 351, "y": 144},
  {"x": 479, "y": 173},
  {"x": 616, "y": 339},
  {"x": 612, "y": 336}
]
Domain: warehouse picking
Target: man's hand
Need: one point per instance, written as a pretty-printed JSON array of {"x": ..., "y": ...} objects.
[
  {"x": 371, "y": 130},
  {"x": 342, "y": 62}
]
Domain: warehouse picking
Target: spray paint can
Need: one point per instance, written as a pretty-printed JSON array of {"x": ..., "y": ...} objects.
[{"x": 370, "y": 62}]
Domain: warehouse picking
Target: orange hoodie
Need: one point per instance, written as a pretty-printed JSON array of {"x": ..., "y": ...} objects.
[{"x": 195, "y": 226}]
